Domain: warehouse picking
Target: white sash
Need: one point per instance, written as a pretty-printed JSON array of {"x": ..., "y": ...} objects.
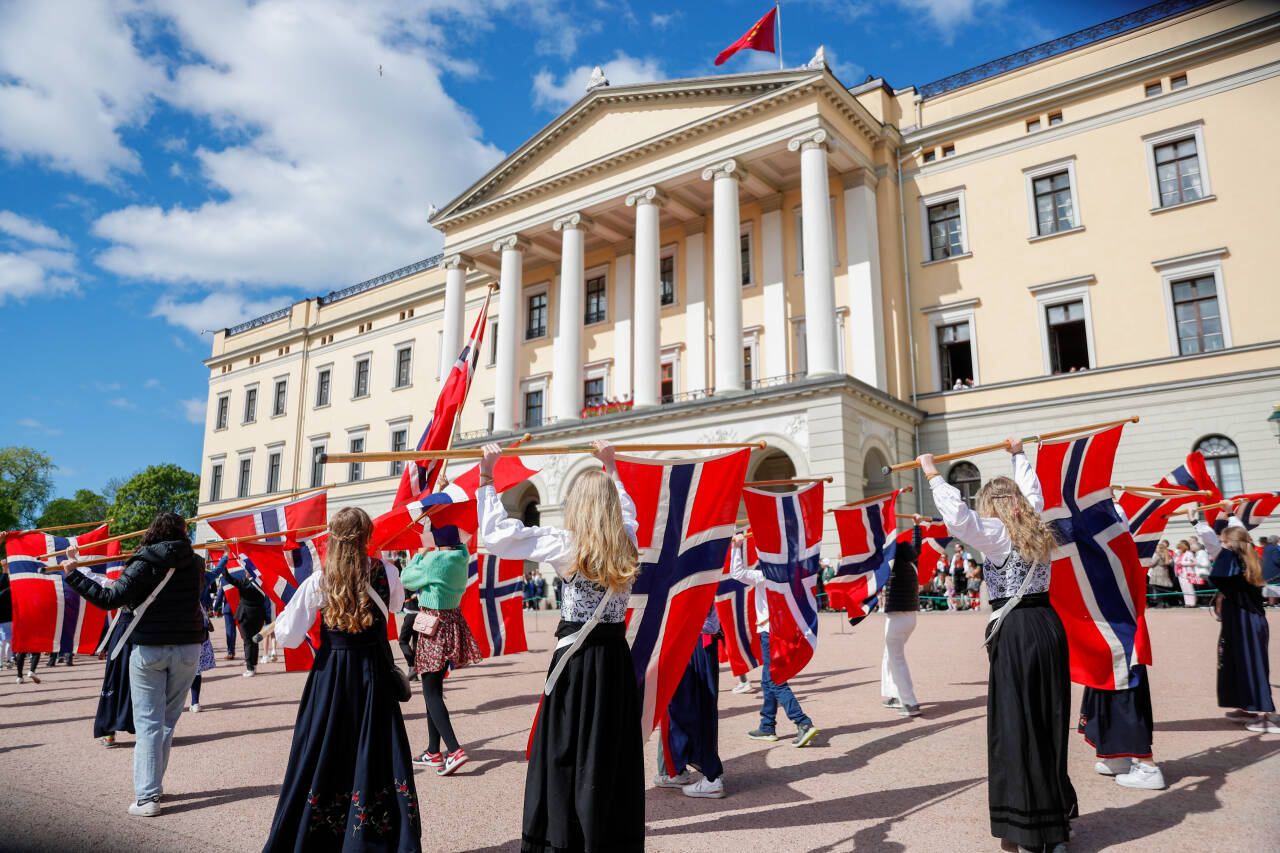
[
  {"x": 137, "y": 614},
  {"x": 574, "y": 642},
  {"x": 106, "y": 635},
  {"x": 997, "y": 616}
]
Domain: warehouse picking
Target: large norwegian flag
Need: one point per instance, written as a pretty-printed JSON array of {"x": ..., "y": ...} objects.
[
  {"x": 686, "y": 512},
  {"x": 1257, "y": 507},
  {"x": 1149, "y": 516},
  {"x": 493, "y": 604},
  {"x": 1098, "y": 585},
  {"x": 48, "y": 615},
  {"x": 736, "y": 607},
  {"x": 420, "y": 477},
  {"x": 310, "y": 511},
  {"x": 934, "y": 539},
  {"x": 787, "y": 529},
  {"x": 867, "y": 547}
]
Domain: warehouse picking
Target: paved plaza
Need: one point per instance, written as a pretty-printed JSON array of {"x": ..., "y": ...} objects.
[{"x": 872, "y": 781}]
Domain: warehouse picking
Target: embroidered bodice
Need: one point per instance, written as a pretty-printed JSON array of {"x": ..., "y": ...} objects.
[
  {"x": 1003, "y": 580},
  {"x": 579, "y": 597}
]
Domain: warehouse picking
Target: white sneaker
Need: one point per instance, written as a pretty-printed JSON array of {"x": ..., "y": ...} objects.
[
  {"x": 195, "y": 709},
  {"x": 662, "y": 780},
  {"x": 145, "y": 808},
  {"x": 1114, "y": 766},
  {"x": 703, "y": 788},
  {"x": 742, "y": 687},
  {"x": 1143, "y": 775},
  {"x": 1241, "y": 716},
  {"x": 1267, "y": 723},
  {"x": 249, "y": 673},
  {"x": 21, "y": 680}
]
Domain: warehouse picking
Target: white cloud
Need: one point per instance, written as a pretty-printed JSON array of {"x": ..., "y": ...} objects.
[
  {"x": 662, "y": 21},
  {"x": 849, "y": 73},
  {"x": 949, "y": 15},
  {"x": 173, "y": 144},
  {"x": 154, "y": 384},
  {"x": 106, "y": 387},
  {"x": 33, "y": 424},
  {"x": 621, "y": 70},
  {"x": 215, "y": 311},
  {"x": 25, "y": 274},
  {"x": 122, "y": 403},
  {"x": 31, "y": 231},
  {"x": 193, "y": 410}
]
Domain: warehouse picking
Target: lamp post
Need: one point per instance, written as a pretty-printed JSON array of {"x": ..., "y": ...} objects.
[{"x": 1274, "y": 421}]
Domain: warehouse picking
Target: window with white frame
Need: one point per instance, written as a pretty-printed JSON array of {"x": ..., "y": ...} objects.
[
  {"x": 595, "y": 383},
  {"x": 279, "y": 397},
  {"x": 488, "y": 414},
  {"x": 799, "y": 217},
  {"x": 1195, "y": 303},
  {"x": 250, "y": 404},
  {"x": 944, "y": 225},
  {"x": 597, "y": 293},
  {"x": 667, "y": 276},
  {"x": 404, "y": 366},
  {"x": 355, "y": 470},
  {"x": 1222, "y": 460},
  {"x": 317, "y": 465},
  {"x": 493, "y": 343},
  {"x": 537, "y": 313},
  {"x": 744, "y": 249},
  {"x": 246, "y": 470},
  {"x": 842, "y": 314},
  {"x": 324, "y": 383},
  {"x": 669, "y": 374},
  {"x": 1176, "y": 166},
  {"x": 399, "y": 443},
  {"x": 750, "y": 356},
  {"x": 1066, "y": 325},
  {"x": 360, "y": 387},
  {"x": 798, "y": 333},
  {"x": 440, "y": 367},
  {"x": 274, "y": 457},
  {"x": 1052, "y": 203},
  {"x": 223, "y": 411},
  {"x": 534, "y": 401},
  {"x": 215, "y": 481},
  {"x": 952, "y": 342}
]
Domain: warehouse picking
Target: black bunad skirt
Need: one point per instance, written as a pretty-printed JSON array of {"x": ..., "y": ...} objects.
[
  {"x": 691, "y": 730},
  {"x": 584, "y": 790},
  {"x": 115, "y": 704},
  {"x": 349, "y": 784},
  {"x": 1243, "y": 663},
  {"x": 1029, "y": 792},
  {"x": 1119, "y": 723}
]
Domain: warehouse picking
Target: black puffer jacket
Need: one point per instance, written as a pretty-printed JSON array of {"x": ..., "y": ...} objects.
[{"x": 174, "y": 617}]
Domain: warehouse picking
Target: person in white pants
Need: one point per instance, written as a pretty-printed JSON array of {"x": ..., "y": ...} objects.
[
  {"x": 1185, "y": 566},
  {"x": 902, "y": 600}
]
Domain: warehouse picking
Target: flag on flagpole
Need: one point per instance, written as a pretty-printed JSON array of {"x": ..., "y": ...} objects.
[
  {"x": 736, "y": 607},
  {"x": 493, "y": 604},
  {"x": 48, "y": 615},
  {"x": 1256, "y": 507},
  {"x": 934, "y": 539},
  {"x": 759, "y": 37},
  {"x": 310, "y": 511},
  {"x": 867, "y": 548}
]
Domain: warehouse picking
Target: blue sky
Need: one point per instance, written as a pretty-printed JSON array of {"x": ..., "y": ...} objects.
[{"x": 168, "y": 167}]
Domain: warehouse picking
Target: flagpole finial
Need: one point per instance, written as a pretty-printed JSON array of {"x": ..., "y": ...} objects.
[
  {"x": 819, "y": 59},
  {"x": 597, "y": 80}
]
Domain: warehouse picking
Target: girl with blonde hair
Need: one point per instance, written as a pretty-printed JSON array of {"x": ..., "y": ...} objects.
[
  {"x": 1029, "y": 792},
  {"x": 1244, "y": 667},
  {"x": 349, "y": 783},
  {"x": 584, "y": 789}
]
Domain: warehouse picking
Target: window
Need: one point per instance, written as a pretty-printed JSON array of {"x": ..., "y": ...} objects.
[
  {"x": 1052, "y": 203},
  {"x": 215, "y": 482},
  {"x": 1178, "y": 171},
  {"x": 964, "y": 476},
  {"x": 668, "y": 382},
  {"x": 323, "y": 377},
  {"x": 1222, "y": 460},
  {"x": 488, "y": 417},
  {"x": 593, "y": 391},
  {"x": 224, "y": 406},
  {"x": 1033, "y": 124},
  {"x": 404, "y": 367},
  {"x": 948, "y": 150},
  {"x": 536, "y": 325},
  {"x": 955, "y": 356},
  {"x": 1152, "y": 89},
  {"x": 317, "y": 465},
  {"x": 250, "y": 405},
  {"x": 930, "y": 155},
  {"x": 750, "y": 355},
  {"x": 242, "y": 487},
  {"x": 533, "y": 408},
  {"x": 945, "y": 237},
  {"x": 1068, "y": 341},
  {"x": 667, "y": 278},
  {"x": 747, "y": 364},
  {"x": 744, "y": 248},
  {"x": 355, "y": 470},
  {"x": 798, "y": 330},
  {"x": 273, "y": 471},
  {"x": 493, "y": 343},
  {"x": 399, "y": 443},
  {"x": 1055, "y": 118},
  {"x": 362, "y": 378},
  {"x": 1178, "y": 81},
  {"x": 1196, "y": 315},
  {"x": 278, "y": 400},
  {"x": 597, "y": 301}
]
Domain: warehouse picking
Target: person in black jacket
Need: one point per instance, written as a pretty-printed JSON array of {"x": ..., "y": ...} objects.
[
  {"x": 901, "y": 601},
  {"x": 161, "y": 583},
  {"x": 251, "y": 614}
]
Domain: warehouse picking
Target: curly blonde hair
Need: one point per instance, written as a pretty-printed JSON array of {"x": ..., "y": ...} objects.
[
  {"x": 1241, "y": 544},
  {"x": 1000, "y": 498},
  {"x": 604, "y": 553},
  {"x": 346, "y": 572}
]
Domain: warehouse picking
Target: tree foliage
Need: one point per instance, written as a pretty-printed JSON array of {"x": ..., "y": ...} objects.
[
  {"x": 155, "y": 489},
  {"x": 85, "y": 507},
  {"x": 26, "y": 482}
]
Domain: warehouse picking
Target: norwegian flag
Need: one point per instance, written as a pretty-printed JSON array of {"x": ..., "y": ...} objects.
[
  {"x": 1193, "y": 475},
  {"x": 420, "y": 477},
  {"x": 48, "y": 615},
  {"x": 1148, "y": 517},
  {"x": 296, "y": 564},
  {"x": 493, "y": 604},
  {"x": 736, "y": 607},
  {"x": 934, "y": 539},
  {"x": 686, "y": 512},
  {"x": 868, "y": 544},
  {"x": 1257, "y": 507},
  {"x": 1098, "y": 584},
  {"x": 305, "y": 512},
  {"x": 787, "y": 529}
]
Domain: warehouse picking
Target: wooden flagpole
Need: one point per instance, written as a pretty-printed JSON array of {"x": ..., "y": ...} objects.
[
  {"x": 922, "y": 518},
  {"x": 60, "y": 527},
  {"x": 800, "y": 481},
  {"x": 203, "y": 546},
  {"x": 547, "y": 450},
  {"x": 987, "y": 448},
  {"x": 1158, "y": 491},
  {"x": 871, "y": 499}
]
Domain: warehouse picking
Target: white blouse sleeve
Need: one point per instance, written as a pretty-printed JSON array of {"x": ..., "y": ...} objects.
[
  {"x": 740, "y": 572},
  {"x": 396, "y": 586},
  {"x": 508, "y": 539},
  {"x": 629, "y": 521},
  {"x": 1212, "y": 545},
  {"x": 1028, "y": 483},
  {"x": 292, "y": 625},
  {"x": 988, "y": 535}
]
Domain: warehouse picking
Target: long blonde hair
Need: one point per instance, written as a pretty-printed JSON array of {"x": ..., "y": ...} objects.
[
  {"x": 603, "y": 552},
  {"x": 346, "y": 572},
  {"x": 1241, "y": 543},
  {"x": 1000, "y": 498}
]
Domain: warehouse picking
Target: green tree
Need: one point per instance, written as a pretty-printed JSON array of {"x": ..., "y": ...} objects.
[
  {"x": 85, "y": 507},
  {"x": 26, "y": 483},
  {"x": 155, "y": 489}
]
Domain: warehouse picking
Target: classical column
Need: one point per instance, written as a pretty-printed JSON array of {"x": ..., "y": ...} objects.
[
  {"x": 727, "y": 267},
  {"x": 505, "y": 411},
  {"x": 455, "y": 309},
  {"x": 623, "y": 266},
  {"x": 777, "y": 334},
  {"x": 647, "y": 378},
  {"x": 866, "y": 310},
  {"x": 695, "y": 312},
  {"x": 819, "y": 277},
  {"x": 567, "y": 390}
]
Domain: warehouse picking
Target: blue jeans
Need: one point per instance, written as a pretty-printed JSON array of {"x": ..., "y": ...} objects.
[
  {"x": 775, "y": 694},
  {"x": 229, "y": 622},
  {"x": 159, "y": 677}
]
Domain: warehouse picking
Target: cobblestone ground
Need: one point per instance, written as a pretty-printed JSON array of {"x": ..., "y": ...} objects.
[{"x": 872, "y": 781}]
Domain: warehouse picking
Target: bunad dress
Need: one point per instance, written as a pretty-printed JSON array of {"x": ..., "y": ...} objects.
[
  {"x": 1244, "y": 666},
  {"x": 115, "y": 703}
]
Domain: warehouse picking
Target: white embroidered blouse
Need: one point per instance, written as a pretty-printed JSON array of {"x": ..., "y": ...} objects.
[{"x": 292, "y": 625}]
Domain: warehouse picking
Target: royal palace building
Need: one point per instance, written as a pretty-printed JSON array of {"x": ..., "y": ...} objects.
[{"x": 1070, "y": 234}]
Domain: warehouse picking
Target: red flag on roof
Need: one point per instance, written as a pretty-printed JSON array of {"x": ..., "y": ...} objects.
[{"x": 759, "y": 37}]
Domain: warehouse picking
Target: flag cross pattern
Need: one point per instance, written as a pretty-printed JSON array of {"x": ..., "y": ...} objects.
[
  {"x": 49, "y": 616},
  {"x": 485, "y": 573}
]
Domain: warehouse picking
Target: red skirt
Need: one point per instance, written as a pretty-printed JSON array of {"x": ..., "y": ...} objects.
[{"x": 453, "y": 643}]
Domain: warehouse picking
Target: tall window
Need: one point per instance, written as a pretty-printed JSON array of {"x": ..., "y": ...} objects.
[
  {"x": 955, "y": 358},
  {"x": 964, "y": 476},
  {"x": 744, "y": 249},
  {"x": 242, "y": 487},
  {"x": 1053, "y": 203},
  {"x": 802, "y": 346},
  {"x": 215, "y": 482},
  {"x": 945, "y": 238},
  {"x": 277, "y": 400},
  {"x": 273, "y": 472},
  {"x": 537, "y": 314},
  {"x": 593, "y": 391},
  {"x": 533, "y": 408},
  {"x": 404, "y": 367},
  {"x": 1222, "y": 460},
  {"x": 667, "y": 279},
  {"x": 597, "y": 301},
  {"x": 355, "y": 470},
  {"x": 748, "y": 367},
  {"x": 1196, "y": 313},
  {"x": 668, "y": 382},
  {"x": 362, "y": 378},
  {"x": 250, "y": 405},
  {"x": 224, "y": 406},
  {"x": 1178, "y": 171},
  {"x": 317, "y": 465},
  {"x": 322, "y": 387},
  {"x": 493, "y": 343},
  {"x": 1068, "y": 340},
  {"x": 399, "y": 442}
]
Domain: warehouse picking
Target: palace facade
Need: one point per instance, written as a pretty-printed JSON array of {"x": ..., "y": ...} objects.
[{"x": 1067, "y": 235}]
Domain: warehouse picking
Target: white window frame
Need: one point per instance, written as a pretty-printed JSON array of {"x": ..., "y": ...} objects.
[
  {"x": 1182, "y": 268},
  {"x": 670, "y": 354},
  {"x": 257, "y": 402},
  {"x": 1030, "y": 175},
  {"x": 669, "y": 251},
  {"x": 275, "y": 448},
  {"x": 597, "y": 370},
  {"x": 218, "y": 461},
  {"x": 320, "y": 369},
  {"x": 542, "y": 383},
  {"x": 747, "y": 229},
  {"x": 798, "y": 213},
  {"x": 488, "y": 414},
  {"x": 1058, "y": 293},
  {"x": 355, "y": 376},
  {"x": 599, "y": 271},
  {"x": 492, "y": 359},
  {"x": 358, "y": 433},
  {"x": 217, "y": 404},
  {"x": 1160, "y": 137},
  {"x": 322, "y": 442},
  {"x": 751, "y": 341},
  {"x": 945, "y": 315},
  {"x": 274, "y": 384},
  {"x": 842, "y": 315},
  {"x": 440, "y": 355},
  {"x": 394, "y": 425},
  {"x": 242, "y": 457},
  {"x": 926, "y": 242},
  {"x": 527, "y": 294},
  {"x": 800, "y": 335},
  {"x": 399, "y": 348}
]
